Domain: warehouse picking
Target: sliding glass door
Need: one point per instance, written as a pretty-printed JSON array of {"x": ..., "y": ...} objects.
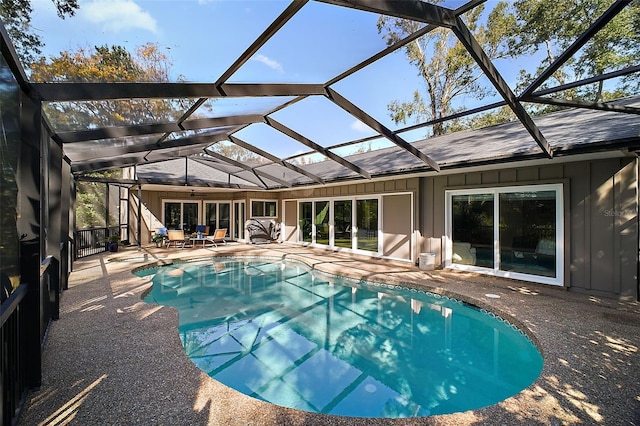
[
  {"x": 305, "y": 221},
  {"x": 322, "y": 222},
  {"x": 343, "y": 223},
  {"x": 511, "y": 231},
  {"x": 367, "y": 223},
  {"x": 473, "y": 229},
  {"x": 217, "y": 216},
  {"x": 331, "y": 223},
  {"x": 528, "y": 232},
  {"x": 181, "y": 215},
  {"x": 172, "y": 215}
]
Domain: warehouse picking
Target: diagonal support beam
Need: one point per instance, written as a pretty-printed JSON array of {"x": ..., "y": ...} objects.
[
  {"x": 414, "y": 10},
  {"x": 412, "y": 37},
  {"x": 279, "y": 22},
  {"x": 303, "y": 140},
  {"x": 601, "y": 106},
  {"x": 146, "y": 129},
  {"x": 603, "y": 20},
  {"x": 72, "y": 91},
  {"x": 210, "y": 163},
  {"x": 379, "y": 127},
  {"x": 477, "y": 53},
  {"x": 243, "y": 166},
  {"x": 579, "y": 83},
  {"x": 275, "y": 159}
]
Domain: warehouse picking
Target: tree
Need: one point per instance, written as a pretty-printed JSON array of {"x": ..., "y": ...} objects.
[
  {"x": 444, "y": 64},
  {"x": 108, "y": 64},
  {"x": 104, "y": 63},
  {"x": 517, "y": 30},
  {"x": 552, "y": 26},
  {"x": 16, "y": 17}
]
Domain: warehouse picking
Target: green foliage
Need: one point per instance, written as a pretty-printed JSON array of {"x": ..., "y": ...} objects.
[
  {"x": 519, "y": 29},
  {"x": 16, "y": 17},
  {"x": 90, "y": 205},
  {"x": 552, "y": 26},
  {"x": 108, "y": 64},
  {"x": 10, "y": 143},
  {"x": 448, "y": 71}
]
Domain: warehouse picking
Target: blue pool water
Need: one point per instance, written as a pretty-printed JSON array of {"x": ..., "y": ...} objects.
[{"x": 282, "y": 333}]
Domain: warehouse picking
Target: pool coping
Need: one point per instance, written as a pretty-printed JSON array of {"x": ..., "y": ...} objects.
[{"x": 590, "y": 346}]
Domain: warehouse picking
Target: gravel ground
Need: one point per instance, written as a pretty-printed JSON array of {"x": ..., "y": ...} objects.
[{"x": 112, "y": 359}]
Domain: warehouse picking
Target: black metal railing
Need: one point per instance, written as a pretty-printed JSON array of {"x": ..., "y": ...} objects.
[
  {"x": 14, "y": 348},
  {"x": 92, "y": 241},
  {"x": 24, "y": 320}
]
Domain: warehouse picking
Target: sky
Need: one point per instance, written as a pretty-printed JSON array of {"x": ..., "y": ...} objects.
[{"x": 204, "y": 37}]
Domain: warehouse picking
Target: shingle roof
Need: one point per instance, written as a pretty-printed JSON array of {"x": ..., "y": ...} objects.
[{"x": 568, "y": 131}]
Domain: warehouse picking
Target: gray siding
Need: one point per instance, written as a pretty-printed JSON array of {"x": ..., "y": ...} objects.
[
  {"x": 396, "y": 226},
  {"x": 601, "y": 218}
]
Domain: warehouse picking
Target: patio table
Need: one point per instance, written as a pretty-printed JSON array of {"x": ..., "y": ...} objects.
[{"x": 195, "y": 240}]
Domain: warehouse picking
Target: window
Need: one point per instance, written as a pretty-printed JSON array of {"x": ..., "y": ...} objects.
[
  {"x": 263, "y": 208},
  {"x": 513, "y": 232}
]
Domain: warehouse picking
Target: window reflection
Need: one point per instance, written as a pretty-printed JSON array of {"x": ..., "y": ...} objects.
[
  {"x": 322, "y": 222},
  {"x": 515, "y": 229},
  {"x": 473, "y": 230},
  {"x": 9, "y": 153},
  {"x": 367, "y": 220},
  {"x": 342, "y": 212},
  {"x": 305, "y": 221},
  {"x": 528, "y": 232}
]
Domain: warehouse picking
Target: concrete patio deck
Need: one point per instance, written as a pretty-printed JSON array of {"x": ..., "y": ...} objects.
[{"x": 112, "y": 359}]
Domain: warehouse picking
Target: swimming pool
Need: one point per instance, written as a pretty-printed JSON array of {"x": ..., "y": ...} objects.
[{"x": 280, "y": 332}]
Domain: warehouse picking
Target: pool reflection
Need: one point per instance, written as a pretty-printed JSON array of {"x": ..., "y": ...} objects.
[{"x": 278, "y": 332}]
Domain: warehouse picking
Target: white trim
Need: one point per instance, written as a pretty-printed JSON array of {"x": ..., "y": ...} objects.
[
  {"x": 496, "y": 271},
  {"x": 243, "y": 205}
]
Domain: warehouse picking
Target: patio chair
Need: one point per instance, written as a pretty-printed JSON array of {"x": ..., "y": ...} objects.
[
  {"x": 176, "y": 237},
  {"x": 218, "y": 236}
]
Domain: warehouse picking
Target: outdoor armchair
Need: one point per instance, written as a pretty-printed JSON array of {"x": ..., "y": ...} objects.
[
  {"x": 176, "y": 237},
  {"x": 218, "y": 236}
]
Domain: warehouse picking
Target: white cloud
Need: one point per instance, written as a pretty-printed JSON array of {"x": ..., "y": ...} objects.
[
  {"x": 118, "y": 15},
  {"x": 271, "y": 63},
  {"x": 359, "y": 126}
]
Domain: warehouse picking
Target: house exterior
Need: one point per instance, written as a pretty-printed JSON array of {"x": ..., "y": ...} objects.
[{"x": 496, "y": 207}]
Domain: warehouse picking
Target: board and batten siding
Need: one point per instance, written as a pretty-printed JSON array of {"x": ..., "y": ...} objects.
[
  {"x": 601, "y": 218},
  {"x": 396, "y": 226}
]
